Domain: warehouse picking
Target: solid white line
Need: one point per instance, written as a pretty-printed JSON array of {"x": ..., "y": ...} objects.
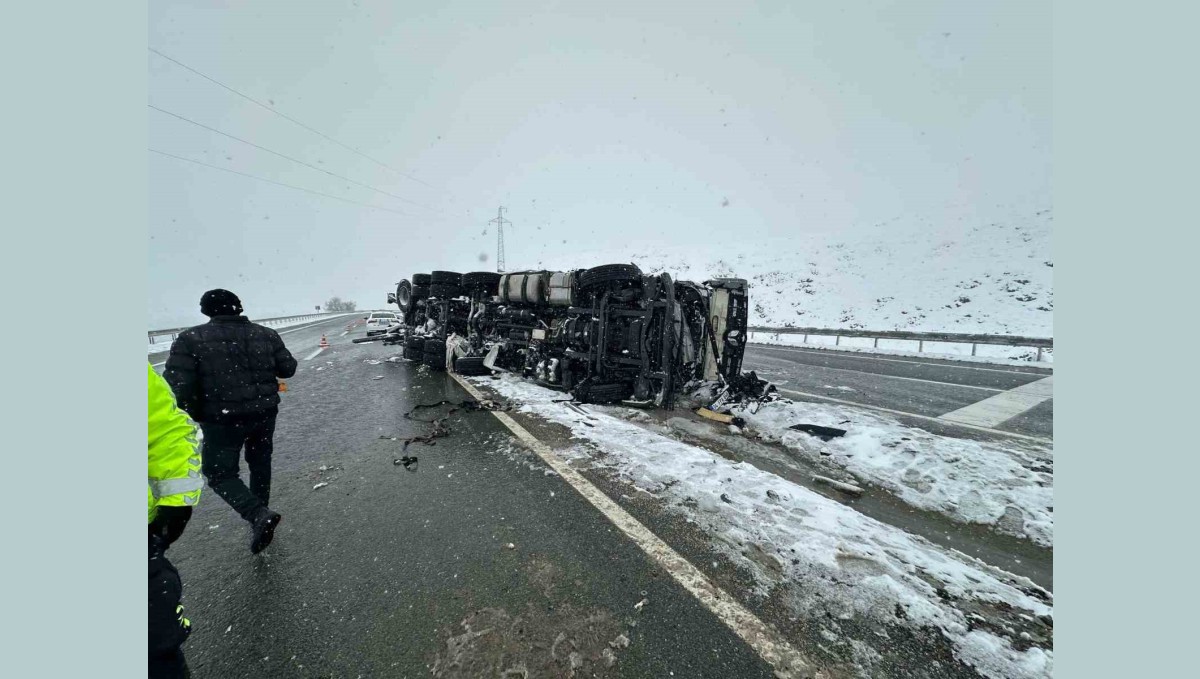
[
  {"x": 892, "y": 377},
  {"x": 1003, "y": 406},
  {"x": 858, "y": 354},
  {"x": 763, "y": 638},
  {"x": 314, "y": 354},
  {"x": 1000, "y": 432}
]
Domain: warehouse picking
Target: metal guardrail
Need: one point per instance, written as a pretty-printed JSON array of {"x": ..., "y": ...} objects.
[
  {"x": 921, "y": 338},
  {"x": 172, "y": 333}
]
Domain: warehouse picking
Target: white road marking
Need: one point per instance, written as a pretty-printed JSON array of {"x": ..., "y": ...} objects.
[
  {"x": 1000, "y": 432},
  {"x": 891, "y": 377},
  {"x": 1004, "y": 406},
  {"x": 763, "y": 638},
  {"x": 314, "y": 354},
  {"x": 856, "y": 354}
]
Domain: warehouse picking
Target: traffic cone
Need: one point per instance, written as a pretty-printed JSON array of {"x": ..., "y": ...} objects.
[{"x": 324, "y": 342}]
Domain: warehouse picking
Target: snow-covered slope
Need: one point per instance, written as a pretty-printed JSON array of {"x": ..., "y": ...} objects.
[{"x": 984, "y": 277}]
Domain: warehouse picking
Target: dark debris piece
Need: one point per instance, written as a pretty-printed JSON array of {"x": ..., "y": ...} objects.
[
  {"x": 408, "y": 461},
  {"x": 823, "y": 433}
]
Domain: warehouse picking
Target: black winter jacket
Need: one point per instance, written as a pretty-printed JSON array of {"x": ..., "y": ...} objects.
[{"x": 225, "y": 370}]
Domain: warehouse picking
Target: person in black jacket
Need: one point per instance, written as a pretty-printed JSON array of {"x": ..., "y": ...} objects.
[{"x": 224, "y": 375}]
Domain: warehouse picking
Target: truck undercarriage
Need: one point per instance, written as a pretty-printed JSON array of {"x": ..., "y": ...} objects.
[{"x": 606, "y": 334}]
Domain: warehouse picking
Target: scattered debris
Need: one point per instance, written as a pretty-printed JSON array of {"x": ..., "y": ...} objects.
[
  {"x": 823, "y": 433},
  {"x": 377, "y": 377},
  {"x": 439, "y": 424},
  {"x": 510, "y": 546},
  {"x": 371, "y": 361},
  {"x": 772, "y": 494},
  {"x": 321, "y": 485},
  {"x": 725, "y": 498},
  {"x": 844, "y": 487},
  {"x": 724, "y": 418},
  {"x": 638, "y": 606},
  {"x": 621, "y": 641},
  {"x": 408, "y": 461}
]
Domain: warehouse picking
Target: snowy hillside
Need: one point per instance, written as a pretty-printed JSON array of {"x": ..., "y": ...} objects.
[{"x": 994, "y": 277}]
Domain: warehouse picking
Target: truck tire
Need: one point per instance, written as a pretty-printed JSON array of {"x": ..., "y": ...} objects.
[
  {"x": 445, "y": 278},
  {"x": 600, "y": 276},
  {"x": 435, "y": 354},
  {"x": 486, "y": 282},
  {"x": 421, "y": 279},
  {"x": 470, "y": 365},
  {"x": 403, "y": 295},
  {"x": 414, "y": 348},
  {"x": 445, "y": 291},
  {"x": 419, "y": 292}
]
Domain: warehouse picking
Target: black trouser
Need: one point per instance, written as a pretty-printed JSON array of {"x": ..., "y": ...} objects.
[
  {"x": 223, "y": 443},
  {"x": 167, "y": 628}
]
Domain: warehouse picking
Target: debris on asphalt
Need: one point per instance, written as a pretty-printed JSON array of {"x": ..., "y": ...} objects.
[
  {"x": 734, "y": 429},
  {"x": 844, "y": 487},
  {"x": 439, "y": 424},
  {"x": 371, "y": 361},
  {"x": 823, "y": 433},
  {"x": 608, "y": 657},
  {"x": 510, "y": 546},
  {"x": 377, "y": 377},
  {"x": 408, "y": 461},
  {"x": 621, "y": 641},
  {"x": 638, "y": 606},
  {"x": 725, "y": 498},
  {"x": 321, "y": 485}
]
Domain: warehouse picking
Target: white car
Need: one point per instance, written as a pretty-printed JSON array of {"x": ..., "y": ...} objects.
[{"x": 380, "y": 321}]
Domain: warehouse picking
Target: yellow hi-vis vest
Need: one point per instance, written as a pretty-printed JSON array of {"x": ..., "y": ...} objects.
[{"x": 173, "y": 472}]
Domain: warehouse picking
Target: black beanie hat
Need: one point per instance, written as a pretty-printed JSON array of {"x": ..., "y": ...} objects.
[{"x": 220, "y": 303}]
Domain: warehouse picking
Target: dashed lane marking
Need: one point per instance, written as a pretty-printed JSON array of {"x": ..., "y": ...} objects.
[{"x": 1004, "y": 406}]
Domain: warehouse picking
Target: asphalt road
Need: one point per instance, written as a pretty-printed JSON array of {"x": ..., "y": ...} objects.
[
  {"x": 390, "y": 573},
  {"x": 926, "y": 388}
]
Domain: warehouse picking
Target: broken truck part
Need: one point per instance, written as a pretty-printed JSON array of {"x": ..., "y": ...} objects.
[{"x": 606, "y": 334}]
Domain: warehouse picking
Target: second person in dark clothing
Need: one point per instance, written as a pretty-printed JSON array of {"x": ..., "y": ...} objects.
[{"x": 224, "y": 375}]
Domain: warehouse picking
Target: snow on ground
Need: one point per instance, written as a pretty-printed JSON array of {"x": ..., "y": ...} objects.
[
  {"x": 1007, "y": 486},
  {"x": 953, "y": 351},
  {"x": 841, "y": 570},
  {"x": 978, "y": 276}
]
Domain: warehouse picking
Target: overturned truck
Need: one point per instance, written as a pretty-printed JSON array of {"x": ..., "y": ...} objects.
[{"x": 606, "y": 334}]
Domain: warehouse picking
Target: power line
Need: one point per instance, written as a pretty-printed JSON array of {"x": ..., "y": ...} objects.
[
  {"x": 272, "y": 181},
  {"x": 287, "y": 117},
  {"x": 277, "y": 153}
]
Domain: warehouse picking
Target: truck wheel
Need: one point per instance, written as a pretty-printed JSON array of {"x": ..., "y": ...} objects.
[
  {"x": 609, "y": 273},
  {"x": 486, "y": 282},
  {"x": 419, "y": 292},
  {"x": 445, "y": 291},
  {"x": 445, "y": 278},
  {"x": 421, "y": 279},
  {"x": 403, "y": 295},
  {"x": 471, "y": 365}
]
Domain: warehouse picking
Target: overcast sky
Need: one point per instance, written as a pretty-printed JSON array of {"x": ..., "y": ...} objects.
[{"x": 620, "y": 122}]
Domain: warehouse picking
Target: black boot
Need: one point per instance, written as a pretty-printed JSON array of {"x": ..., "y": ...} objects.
[{"x": 262, "y": 529}]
